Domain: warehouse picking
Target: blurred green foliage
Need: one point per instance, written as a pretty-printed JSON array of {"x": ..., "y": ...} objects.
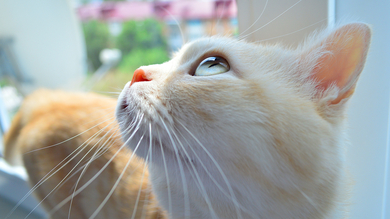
[
  {"x": 144, "y": 34},
  {"x": 139, "y": 57},
  {"x": 112, "y": 82},
  {"x": 4, "y": 82},
  {"x": 141, "y": 43},
  {"x": 96, "y": 35}
]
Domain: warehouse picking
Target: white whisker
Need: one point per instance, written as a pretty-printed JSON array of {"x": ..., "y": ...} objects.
[
  {"x": 117, "y": 181},
  {"x": 65, "y": 175},
  {"x": 220, "y": 17},
  {"x": 200, "y": 184},
  {"x": 166, "y": 173},
  {"x": 100, "y": 171},
  {"x": 50, "y": 146},
  {"x": 184, "y": 182},
  {"x": 177, "y": 23},
  {"x": 258, "y": 18},
  {"x": 232, "y": 196},
  {"x": 243, "y": 37},
  {"x": 293, "y": 31},
  {"x": 140, "y": 187},
  {"x": 50, "y": 174},
  {"x": 88, "y": 163}
]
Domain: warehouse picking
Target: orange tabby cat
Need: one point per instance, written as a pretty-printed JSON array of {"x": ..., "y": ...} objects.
[
  {"x": 75, "y": 125},
  {"x": 229, "y": 129}
]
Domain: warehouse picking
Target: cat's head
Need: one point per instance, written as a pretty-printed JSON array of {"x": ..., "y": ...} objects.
[{"x": 236, "y": 128}]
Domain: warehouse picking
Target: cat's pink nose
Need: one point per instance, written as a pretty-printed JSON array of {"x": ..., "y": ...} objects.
[{"x": 138, "y": 76}]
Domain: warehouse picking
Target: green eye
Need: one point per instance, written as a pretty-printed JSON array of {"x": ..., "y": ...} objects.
[{"x": 212, "y": 66}]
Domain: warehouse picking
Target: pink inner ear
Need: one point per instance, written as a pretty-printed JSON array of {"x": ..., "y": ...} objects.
[{"x": 342, "y": 66}]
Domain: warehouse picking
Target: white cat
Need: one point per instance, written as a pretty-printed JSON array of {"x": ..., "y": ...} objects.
[{"x": 238, "y": 130}]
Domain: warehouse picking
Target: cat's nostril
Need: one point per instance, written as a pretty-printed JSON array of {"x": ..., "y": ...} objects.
[{"x": 139, "y": 75}]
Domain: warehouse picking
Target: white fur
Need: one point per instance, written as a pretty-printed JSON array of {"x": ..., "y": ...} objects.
[{"x": 271, "y": 145}]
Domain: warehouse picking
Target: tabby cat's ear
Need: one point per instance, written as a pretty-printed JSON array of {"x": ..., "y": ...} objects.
[{"x": 341, "y": 57}]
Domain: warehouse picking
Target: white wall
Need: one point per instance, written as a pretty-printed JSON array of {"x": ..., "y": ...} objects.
[
  {"x": 285, "y": 21},
  {"x": 49, "y": 46},
  {"x": 369, "y": 112},
  {"x": 48, "y": 40}
]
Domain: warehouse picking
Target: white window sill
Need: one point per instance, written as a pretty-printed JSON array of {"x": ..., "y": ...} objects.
[{"x": 13, "y": 187}]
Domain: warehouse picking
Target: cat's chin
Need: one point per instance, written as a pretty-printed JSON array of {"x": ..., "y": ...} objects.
[{"x": 155, "y": 151}]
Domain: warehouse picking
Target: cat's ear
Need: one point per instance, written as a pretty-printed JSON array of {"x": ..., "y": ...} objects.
[{"x": 340, "y": 58}]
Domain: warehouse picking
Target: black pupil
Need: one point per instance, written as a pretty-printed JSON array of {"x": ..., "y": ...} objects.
[{"x": 214, "y": 64}]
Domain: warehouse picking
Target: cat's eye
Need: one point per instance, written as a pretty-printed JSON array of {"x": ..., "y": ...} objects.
[{"x": 212, "y": 66}]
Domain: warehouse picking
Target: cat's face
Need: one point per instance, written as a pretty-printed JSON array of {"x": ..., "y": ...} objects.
[{"x": 234, "y": 129}]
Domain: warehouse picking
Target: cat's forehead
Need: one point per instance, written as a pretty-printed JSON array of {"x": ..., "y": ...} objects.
[
  {"x": 233, "y": 50},
  {"x": 211, "y": 43},
  {"x": 217, "y": 46}
]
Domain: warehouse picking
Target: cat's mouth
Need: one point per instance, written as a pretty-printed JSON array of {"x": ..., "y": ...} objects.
[
  {"x": 151, "y": 141},
  {"x": 153, "y": 137},
  {"x": 123, "y": 106}
]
